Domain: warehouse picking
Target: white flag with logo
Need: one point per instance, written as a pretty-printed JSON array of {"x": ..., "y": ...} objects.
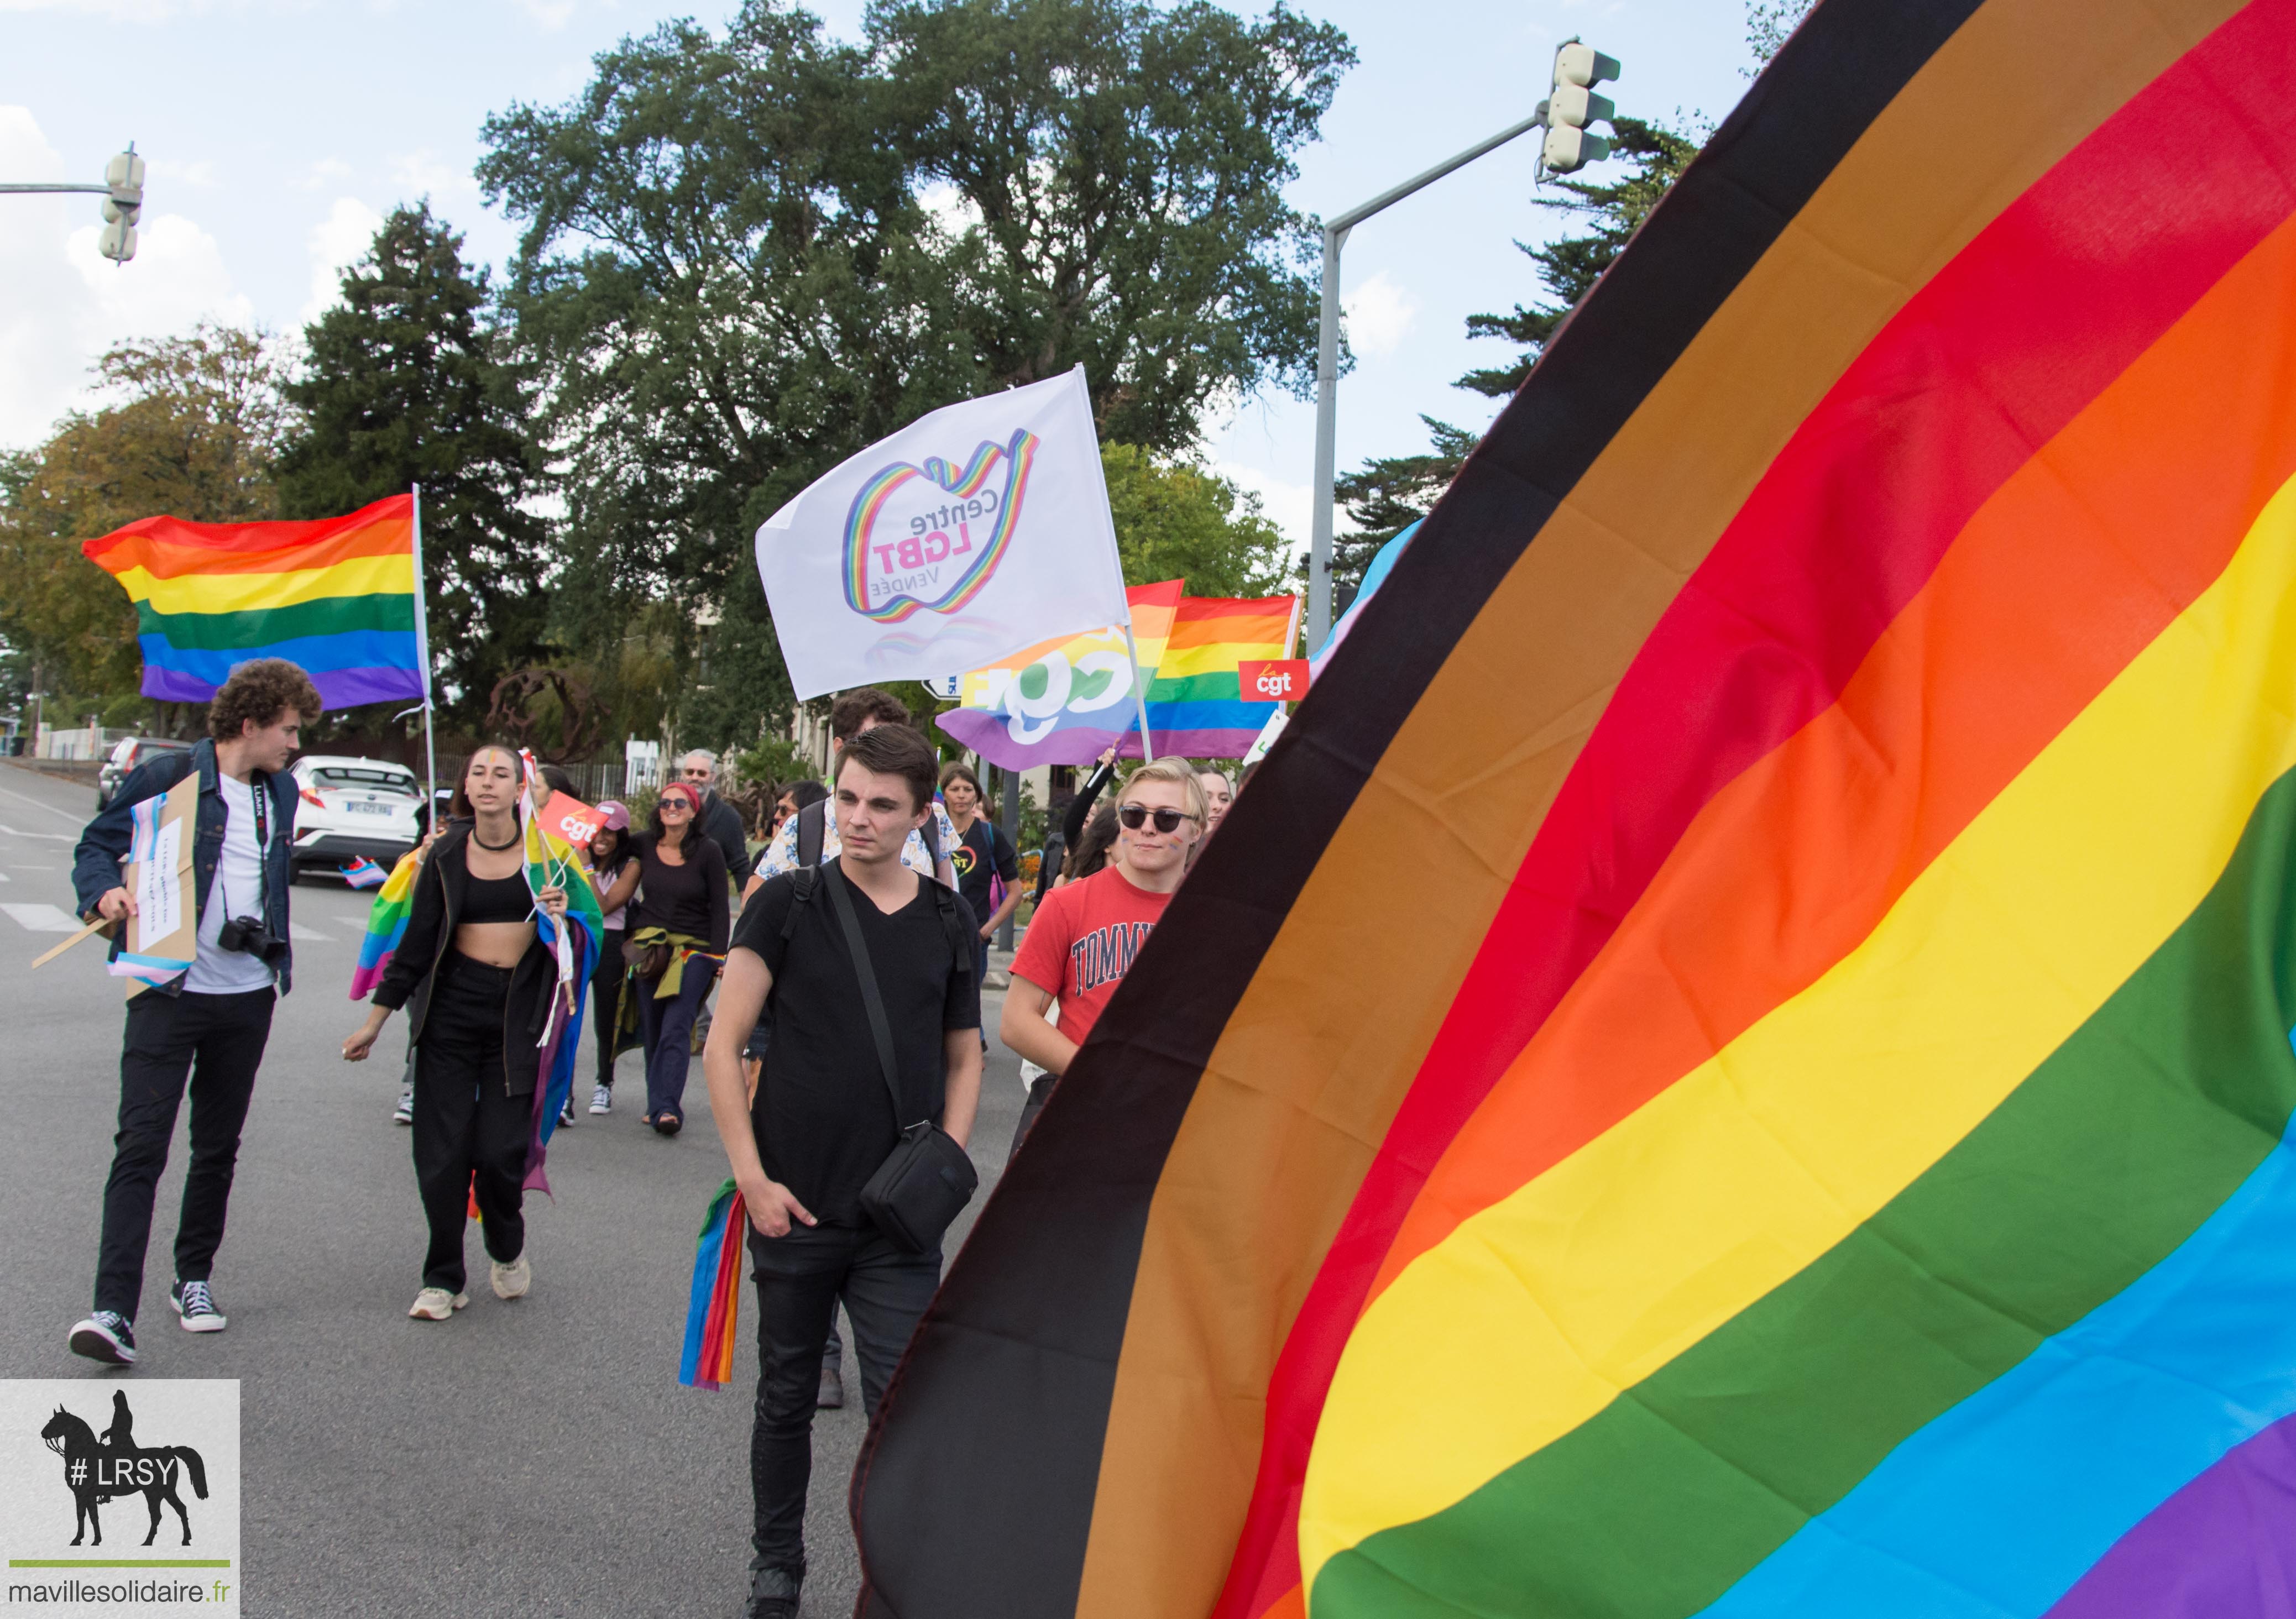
[{"x": 979, "y": 529}]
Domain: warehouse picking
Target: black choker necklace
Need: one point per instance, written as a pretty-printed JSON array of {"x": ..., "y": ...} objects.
[{"x": 491, "y": 848}]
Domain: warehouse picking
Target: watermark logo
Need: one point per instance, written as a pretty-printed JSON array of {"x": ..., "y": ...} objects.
[
  {"x": 929, "y": 538},
  {"x": 155, "y": 1462}
]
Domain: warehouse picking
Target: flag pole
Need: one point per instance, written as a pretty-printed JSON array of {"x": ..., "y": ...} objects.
[
  {"x": 1139, "y": 691},
  {"x": 422, "y": 651}
]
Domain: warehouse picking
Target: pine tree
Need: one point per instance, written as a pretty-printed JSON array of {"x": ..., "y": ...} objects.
[
  {"x": 1386, "y": 495},
  {"x": 408, "y": 383},
  {"x": 1569, "y": 268}
]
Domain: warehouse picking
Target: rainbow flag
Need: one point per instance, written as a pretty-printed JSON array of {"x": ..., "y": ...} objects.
[
  {"x": 1065, "y": 701},
  {"x": 552, "y": 861},
  {"x": 713, "y": 1305},
  {"x": 337, "y": 597},
  {"x": 1826, "y": 1144},
  {"x": 386, "y": 924},
  {"x": 1196, "y": 704}
]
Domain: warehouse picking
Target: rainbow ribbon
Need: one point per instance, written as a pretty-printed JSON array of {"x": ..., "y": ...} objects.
[{"x": 714, "y": 1305}]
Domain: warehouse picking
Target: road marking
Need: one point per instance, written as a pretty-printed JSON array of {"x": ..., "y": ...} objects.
[
  {"x": 296, "y": 930},
  {"x": 3, "y": 876},
  {"x": 48, "y": 837},
  {"x": 41, "y": 919},
  {"x": 36, "y": 803}
]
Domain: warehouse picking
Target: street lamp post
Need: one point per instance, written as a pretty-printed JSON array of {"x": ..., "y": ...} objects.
[
  {"x": 1574, "y": 65},
  {"x": 122, "y": 191}
]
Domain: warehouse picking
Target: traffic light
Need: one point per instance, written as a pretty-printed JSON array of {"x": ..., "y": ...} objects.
[
  {"x": 125, "y": 175},
  {"x": 1571, "y": 105}
]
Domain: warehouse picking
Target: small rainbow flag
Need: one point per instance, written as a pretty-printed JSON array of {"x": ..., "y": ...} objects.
[
  {"x": 386, "y": 924},
  {"x": 711, "y": 1309},
  {"x": 336, "y": 597},
  {"x": 1063, "y": 701}
]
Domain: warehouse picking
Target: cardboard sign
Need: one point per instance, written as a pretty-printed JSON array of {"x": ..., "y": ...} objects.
[
  {"x": 166, "y": 926},
  {"x": 1283, "y": 680}
]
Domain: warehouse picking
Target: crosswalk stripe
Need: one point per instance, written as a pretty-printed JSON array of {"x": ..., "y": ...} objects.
[
  {"x": 296, "y": 930},
  {"x": 40, "y": 919}
]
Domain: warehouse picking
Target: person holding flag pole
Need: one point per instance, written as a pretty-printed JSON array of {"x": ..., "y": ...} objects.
[{"x": 491, "y": 964}]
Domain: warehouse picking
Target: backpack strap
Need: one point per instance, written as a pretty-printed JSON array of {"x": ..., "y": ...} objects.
[
  {"x": 944, "y": 902},
  {"x": 801, "y": 882},
  {"x": 932, "y": 831},
  {"x": 812, "y": 823}
]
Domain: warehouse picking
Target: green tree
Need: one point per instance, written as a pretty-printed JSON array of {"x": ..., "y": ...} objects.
[
  {"x": 1569, "y": 267},
  {"x": 192, "y": 427},
  {"x": 408, "y": 383},
  {"x": 1386, "y": 495},
  {"x": 1120, "y": 167},
  {"x": 1768, "y": 22},
  {"x": 1176, "y": 521},
  {"x": 748, "y": 254}
]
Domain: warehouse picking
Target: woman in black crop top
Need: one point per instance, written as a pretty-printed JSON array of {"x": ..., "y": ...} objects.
[
  {"x": 478, "y": 982},
  {"x": 677, "y": 929}
]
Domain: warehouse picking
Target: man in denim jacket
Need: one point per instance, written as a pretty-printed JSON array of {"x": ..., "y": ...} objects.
[{"x": 206, "y": 1027}]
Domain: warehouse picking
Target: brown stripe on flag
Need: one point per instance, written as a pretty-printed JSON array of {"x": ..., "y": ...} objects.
[{"x": 1316, "y": 1056}]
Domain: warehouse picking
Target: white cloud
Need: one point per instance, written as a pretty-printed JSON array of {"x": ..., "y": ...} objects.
[
  {"x": 1285, "y": 504},
  {"x": 321, "y": 175},
  {"x": 162, "y": 174},
  {"x": 951, "y": 208},
  {"x": 418, "y": 174},
  {"x": 336, "y": 243},
  {"x": 1379, "y": 315},
  {"x": 176, "y": 278}
]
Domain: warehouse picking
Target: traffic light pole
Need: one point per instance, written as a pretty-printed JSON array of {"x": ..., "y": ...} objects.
[
  {"x": 1327, "y": 369},
  {"x": 101, "y": 190}
]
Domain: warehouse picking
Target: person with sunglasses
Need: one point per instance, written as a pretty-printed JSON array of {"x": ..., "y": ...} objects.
[
  {"x": 1084, "y": 937},
  {"x": 675, "y": 941}
]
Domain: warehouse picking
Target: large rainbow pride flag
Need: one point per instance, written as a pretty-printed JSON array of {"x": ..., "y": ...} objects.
[
  {"x": 1816, "y": 1140},
  {"x": 1065, "y": 701},
  {"x": 335, "y": 596}
]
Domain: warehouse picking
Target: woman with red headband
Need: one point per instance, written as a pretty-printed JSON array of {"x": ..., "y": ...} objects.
[{"x": 675, "y": 942}]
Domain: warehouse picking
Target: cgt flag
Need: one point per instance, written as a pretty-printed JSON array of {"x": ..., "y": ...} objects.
[{"x": 978, "y": 530}]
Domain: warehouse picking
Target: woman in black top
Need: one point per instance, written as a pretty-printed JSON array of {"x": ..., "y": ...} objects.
[
  {"x": 480, "y": 982},
  {"x": 982, "y": 854},
  {"x": 677, "y": 939}
]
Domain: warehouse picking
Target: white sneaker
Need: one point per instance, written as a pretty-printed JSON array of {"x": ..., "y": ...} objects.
[
  {"x": 404, "y": 1114},
  {"x": 602, "y": 1099},
  {"x": 513, "y": 1279},
  {"x": 195, "y": 1303},
  {"x": 436, "y": 1305}
]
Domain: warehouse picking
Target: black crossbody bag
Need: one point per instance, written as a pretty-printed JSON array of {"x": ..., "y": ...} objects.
[{"x": 928, "y": 1179}]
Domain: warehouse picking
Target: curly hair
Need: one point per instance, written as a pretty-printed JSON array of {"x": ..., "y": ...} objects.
[
  {"x": 262, "y": 691},
  {"x": 853, "y": 708}
]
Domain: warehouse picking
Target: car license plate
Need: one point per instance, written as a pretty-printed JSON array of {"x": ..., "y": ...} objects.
[{"x": 370, "y": 809}]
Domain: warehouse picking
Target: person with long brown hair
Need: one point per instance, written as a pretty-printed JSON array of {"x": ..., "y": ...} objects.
[{"x": 481, "y": 981}]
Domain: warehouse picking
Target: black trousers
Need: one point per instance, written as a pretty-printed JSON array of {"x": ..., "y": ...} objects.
[
  {"x": 801, "y": 1277},
  {"x": 606, "y": 1000},
  {"x": 466, "y": 1125},
  {"x": 215, "y": 1043}
]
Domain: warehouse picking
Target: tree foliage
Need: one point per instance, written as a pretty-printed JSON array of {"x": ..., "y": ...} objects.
[
  {"x": 189, "y": 426},
  {"x": 1570, "y": 265},
  {"x": 748, "y": 254},
  {"x": 1176, "y": 521},
  {"x": 1386, "y": 495},
  {"x": 407, "y": 383}
]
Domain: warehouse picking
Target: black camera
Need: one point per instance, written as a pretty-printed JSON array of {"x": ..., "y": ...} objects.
[{"x": 249, "y": 933}]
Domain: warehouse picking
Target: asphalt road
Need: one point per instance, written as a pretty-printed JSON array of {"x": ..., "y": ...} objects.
[{"x": 536, "y": 1457}]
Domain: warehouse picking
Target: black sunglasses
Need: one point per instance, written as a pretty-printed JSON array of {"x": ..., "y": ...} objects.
[{"x": 1135, "y": 815}]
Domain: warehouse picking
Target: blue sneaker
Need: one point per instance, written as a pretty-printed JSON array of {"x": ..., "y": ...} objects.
[
  {"x": 106, "y": 1335},
  {"x": 193, "y": 1302}
]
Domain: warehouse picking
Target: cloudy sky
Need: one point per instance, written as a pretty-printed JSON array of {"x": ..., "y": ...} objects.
[{"x": 279, "y": 132}]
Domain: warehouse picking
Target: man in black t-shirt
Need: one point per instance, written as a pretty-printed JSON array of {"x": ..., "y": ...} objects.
[{"x": 823, "y": 1119}]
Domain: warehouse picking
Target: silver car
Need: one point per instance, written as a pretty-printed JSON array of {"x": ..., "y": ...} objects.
[{"x": 352, "y": 809}]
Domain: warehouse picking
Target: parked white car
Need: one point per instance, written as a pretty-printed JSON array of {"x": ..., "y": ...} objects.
[{"x": 354, "y": 807}]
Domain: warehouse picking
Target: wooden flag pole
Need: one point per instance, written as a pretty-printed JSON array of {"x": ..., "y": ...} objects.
[{"x": 48, "y": 956}]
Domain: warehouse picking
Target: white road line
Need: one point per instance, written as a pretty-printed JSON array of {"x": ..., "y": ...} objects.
[
  {"x": 36, "y": 803},
  {"x": 358, "y": 922},
  {"x": 47, "y": 837},
  {"x": 296, "y": 930},
  {"x": 41, "y": 919},
  {"x": 3, "y": 876}
]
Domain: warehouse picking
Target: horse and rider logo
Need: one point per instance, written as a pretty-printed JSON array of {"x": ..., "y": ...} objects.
[{"x": 97, "y": 1470}]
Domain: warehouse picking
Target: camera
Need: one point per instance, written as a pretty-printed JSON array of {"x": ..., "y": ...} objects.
[{"x": 247, "y": 933}]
